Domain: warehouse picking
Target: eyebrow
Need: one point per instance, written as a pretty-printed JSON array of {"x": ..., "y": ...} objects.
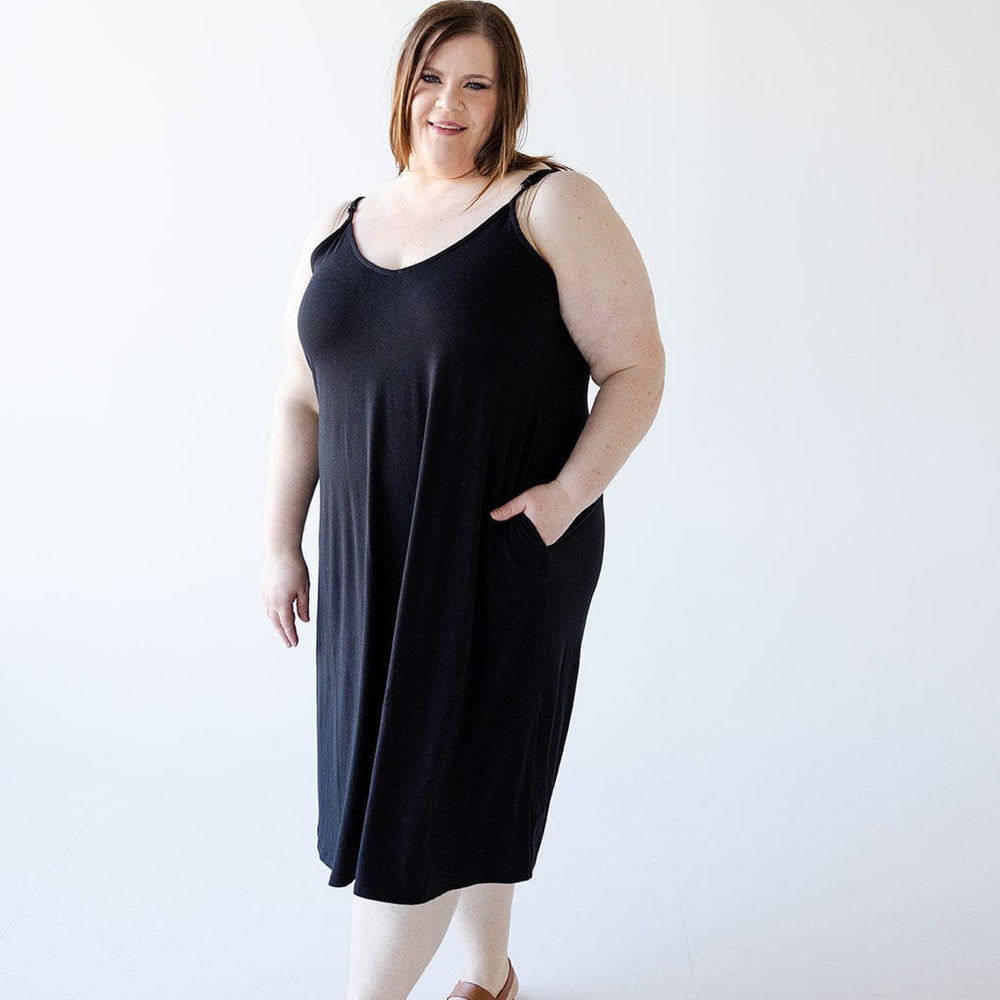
[{"x": 468, "y": 76}]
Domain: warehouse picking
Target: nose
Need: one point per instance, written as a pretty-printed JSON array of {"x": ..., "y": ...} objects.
[{"x": 449, "y": 97}]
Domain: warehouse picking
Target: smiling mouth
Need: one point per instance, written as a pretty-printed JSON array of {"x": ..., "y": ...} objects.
[{"x": 448, "y": 128}]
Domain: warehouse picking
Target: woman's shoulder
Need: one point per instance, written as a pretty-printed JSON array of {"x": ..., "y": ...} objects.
[
  {"x": 565, "y": 199},
  {"x": 568, "y": 216},
  {"x": 329, "y": 221},
  {"x": 569, "y": 183},
  {"x": 323, "y": 227}
]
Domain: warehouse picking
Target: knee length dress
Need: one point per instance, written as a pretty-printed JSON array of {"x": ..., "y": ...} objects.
[{"x": 447, "y": 643}]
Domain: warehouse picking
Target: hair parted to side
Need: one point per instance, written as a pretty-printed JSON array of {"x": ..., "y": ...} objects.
[{"x": 499, "y": 154}]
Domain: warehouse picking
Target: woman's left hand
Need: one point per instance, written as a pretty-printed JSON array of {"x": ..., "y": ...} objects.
[{"x": 548, "y": 506}]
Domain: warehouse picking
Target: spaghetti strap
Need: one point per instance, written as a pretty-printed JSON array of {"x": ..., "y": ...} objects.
[
  {"x": 526, "y": 183},
  {"x": 532, "y": 179},
  {"x": 536, "y": 176}
]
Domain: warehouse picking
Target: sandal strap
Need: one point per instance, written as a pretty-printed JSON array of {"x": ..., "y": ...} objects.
[{"x": 470, "y": 991}]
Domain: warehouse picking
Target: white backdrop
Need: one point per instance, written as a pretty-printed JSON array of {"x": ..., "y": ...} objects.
[{"x": 781, "y": 776}]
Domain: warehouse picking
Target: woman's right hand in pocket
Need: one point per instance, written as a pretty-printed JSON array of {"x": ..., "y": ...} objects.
[{"x": 284, "y": 589}]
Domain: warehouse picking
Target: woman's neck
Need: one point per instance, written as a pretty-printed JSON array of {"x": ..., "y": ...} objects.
[{"x": 419, "y": 188}]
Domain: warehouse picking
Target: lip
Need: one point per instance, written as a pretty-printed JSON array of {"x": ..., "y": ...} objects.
[{"x": 454, "y": 130}]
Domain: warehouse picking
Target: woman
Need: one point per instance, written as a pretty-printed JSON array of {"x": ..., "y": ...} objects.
[{"x": 440, "y": 337}]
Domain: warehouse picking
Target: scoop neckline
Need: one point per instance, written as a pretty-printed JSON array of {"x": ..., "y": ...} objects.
[
  {"x": 509, "y": 205},
  {"x": 426, "y": 260}
]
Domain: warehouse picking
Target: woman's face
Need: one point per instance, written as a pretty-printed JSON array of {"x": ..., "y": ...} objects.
[{"x": 457, "y": 84}]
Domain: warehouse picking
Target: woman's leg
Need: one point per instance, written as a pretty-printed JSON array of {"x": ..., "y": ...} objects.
[
  {"x": 482, "y": 922},
  {"x": 392, "y": 944}
]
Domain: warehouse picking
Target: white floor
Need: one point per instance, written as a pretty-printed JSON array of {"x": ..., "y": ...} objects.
[{"x": 163, "y": 847}]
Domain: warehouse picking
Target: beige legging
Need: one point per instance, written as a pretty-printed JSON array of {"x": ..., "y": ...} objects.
[{"x": 392, "y": 943}]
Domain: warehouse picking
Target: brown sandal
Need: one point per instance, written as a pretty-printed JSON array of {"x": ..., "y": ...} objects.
[{"x": 470, "y": 991}]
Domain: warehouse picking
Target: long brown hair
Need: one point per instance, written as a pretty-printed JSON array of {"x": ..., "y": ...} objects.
[{"x": 499, "y": 154}]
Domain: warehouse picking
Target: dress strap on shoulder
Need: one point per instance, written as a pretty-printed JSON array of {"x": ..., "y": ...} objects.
[
  {"x": 353, "y": 205},
  {"x": 537, "y": 176}
]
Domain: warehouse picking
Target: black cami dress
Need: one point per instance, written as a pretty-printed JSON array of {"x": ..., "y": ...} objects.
[{"x": 447, "y": 644}]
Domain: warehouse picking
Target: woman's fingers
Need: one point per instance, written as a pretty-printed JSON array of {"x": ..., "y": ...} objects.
[
  {"x": 283, "y": 621},
  {"x": 286, "y": 616},
  {"x": 283, "y": 617},
  {"x": 285, "y": 587},
  {"x": 286, "y": 621}
]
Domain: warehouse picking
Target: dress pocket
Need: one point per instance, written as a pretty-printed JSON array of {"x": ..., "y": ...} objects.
[
  {"x": 574, "y": 525},
  {"x": 524, "y": 544},
  {"x": 581, "y": 517},
  {"x": 529, "y": 526}
]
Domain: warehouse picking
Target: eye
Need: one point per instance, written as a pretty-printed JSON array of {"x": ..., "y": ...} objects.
[{"x": 434, "y": 78}]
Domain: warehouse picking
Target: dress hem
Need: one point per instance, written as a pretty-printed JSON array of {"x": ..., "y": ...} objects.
[{"x": 409, "y": 899}]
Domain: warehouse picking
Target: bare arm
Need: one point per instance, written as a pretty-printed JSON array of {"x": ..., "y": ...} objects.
[
  {"x": 606, "y": 301},
  {"x": 293, "y": 459}
]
